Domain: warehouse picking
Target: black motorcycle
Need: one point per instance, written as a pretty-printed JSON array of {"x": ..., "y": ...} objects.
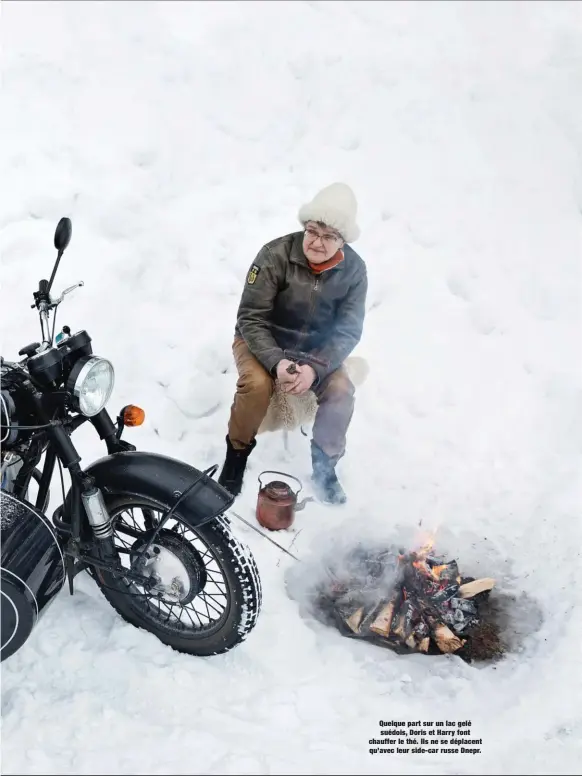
[{"x": 151, "y": 531}]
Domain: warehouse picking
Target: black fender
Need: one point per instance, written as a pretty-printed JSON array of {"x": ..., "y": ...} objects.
[{"x": 162, "y": 479}]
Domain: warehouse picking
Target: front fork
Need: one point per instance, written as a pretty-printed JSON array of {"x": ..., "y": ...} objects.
[
  {"x": 85, "y": 494},
  {"x": 89, "y": 495},
  {"x": 85, "y": 497},
  {"x": 86, "y": 505}
]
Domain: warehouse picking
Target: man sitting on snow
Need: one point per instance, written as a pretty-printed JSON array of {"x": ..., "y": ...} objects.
[{"x": 304, "y": 293}]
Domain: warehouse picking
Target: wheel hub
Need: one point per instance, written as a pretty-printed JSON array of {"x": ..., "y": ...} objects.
[
  {"x": 168, "y": 572},
  {"x": 174, "y": 567}
]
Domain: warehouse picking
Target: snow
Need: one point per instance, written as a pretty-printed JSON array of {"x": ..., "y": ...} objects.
[{"x": 179, "y": 137}]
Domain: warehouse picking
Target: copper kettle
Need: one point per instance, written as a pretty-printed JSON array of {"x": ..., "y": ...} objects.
[{"x": 277, "y": 503}]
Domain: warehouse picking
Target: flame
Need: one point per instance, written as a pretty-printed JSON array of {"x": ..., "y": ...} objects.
[
  {"x": 418, "y": 558},
  {"x": 426, "y": 542},
  {"x": 427, "y": 545},
  {"x": 424, "y": 568}
]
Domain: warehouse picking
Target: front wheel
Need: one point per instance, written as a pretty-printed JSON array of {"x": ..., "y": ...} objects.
[{"x": 205, "y": 595}]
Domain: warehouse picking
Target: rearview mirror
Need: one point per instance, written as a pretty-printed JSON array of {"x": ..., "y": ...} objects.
[{"x": 63, "y": 234}]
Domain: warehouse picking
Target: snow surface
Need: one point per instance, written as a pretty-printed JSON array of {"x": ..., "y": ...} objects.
[{"x": 179, "y": 137}]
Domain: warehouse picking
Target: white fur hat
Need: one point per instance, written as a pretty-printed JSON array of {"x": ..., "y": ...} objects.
[{"x": 335, "y": 206}]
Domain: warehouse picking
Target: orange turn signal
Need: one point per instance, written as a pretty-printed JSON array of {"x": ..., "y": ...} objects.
[{"x": 133, "y": 416}]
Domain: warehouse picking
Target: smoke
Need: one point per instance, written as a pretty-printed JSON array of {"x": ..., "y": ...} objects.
[{"x": 359, "y": 559}]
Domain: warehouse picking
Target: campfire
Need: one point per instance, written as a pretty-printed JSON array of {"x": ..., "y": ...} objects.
[{"x": 409, "y": 601}]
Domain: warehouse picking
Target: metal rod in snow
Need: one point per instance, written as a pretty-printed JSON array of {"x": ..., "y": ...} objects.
[{"x": 250, "y": 525}]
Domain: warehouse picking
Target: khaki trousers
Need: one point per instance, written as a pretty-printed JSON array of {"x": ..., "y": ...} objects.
[{"x": 255, "y": 386}]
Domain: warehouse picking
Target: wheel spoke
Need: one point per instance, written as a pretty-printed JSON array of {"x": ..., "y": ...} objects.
[
  {"x": 128, "y": 530},
  {"x": 221, "y": 586},
  {"x": 208, "y": 605},
  {"x": 209, "y": 595},
  {"x": 186, "y": 609}
]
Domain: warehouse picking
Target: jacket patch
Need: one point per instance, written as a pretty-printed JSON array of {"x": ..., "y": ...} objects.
[{"x": 253, "y": 273}]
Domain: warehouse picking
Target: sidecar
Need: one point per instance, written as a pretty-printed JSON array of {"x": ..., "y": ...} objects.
[{"x": 32, "y": 570}]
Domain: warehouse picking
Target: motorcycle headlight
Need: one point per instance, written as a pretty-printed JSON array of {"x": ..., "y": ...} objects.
[{"x": 90, "y": 383}]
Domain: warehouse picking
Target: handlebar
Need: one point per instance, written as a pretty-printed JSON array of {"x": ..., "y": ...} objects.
[
  {"x": 44, "y": 303},
  {"x": 42, "y": 296}
]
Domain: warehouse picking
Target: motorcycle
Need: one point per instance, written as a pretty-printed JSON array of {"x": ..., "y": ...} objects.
[{"x": 151, "y": 531}]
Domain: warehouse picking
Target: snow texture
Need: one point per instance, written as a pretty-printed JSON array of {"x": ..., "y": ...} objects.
[{"x": 179, "y": 137}]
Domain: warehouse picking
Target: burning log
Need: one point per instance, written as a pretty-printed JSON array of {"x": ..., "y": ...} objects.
[
  {"x": 470, "y": 589},
  {"x": 418, "y": 601},
  {"x": 354, "y": 620},
  {"x": 350, "y": 611},
  {"x": 381, "y": 624},
  {"x": 445, "y": 638},
  {"x": 446, "y": 594},
  {"x": 405, "y": 620}
]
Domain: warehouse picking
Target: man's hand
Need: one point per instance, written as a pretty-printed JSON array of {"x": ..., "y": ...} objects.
[
  {"x": 287, "y": 380},
  {"x": 304, "y": 380}
]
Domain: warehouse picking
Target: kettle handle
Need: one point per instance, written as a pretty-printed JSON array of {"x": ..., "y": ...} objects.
[{"x": 283, "y": 474}]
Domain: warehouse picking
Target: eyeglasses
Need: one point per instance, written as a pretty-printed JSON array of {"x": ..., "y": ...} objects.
[{"x": 327, "y": 239}]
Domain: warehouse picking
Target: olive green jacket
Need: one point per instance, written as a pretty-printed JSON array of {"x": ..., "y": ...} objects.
[{"x": 285, "y": 306}]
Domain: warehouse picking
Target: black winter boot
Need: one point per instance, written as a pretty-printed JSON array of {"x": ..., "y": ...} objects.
[
  {"x": 231, "y": 476},
  {"x": 324, "y": 478}
]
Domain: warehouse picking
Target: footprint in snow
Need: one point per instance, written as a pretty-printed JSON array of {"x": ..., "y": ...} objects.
[
  {"x": 144, "y": 158},
  {"x": 458, "y": 286},
  {"x": 482, "y": 322},
  {"x": 351, "y": 144}
]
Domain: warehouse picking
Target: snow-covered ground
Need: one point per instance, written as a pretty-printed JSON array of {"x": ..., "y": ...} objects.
[{"x": 179, "y": 137}]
